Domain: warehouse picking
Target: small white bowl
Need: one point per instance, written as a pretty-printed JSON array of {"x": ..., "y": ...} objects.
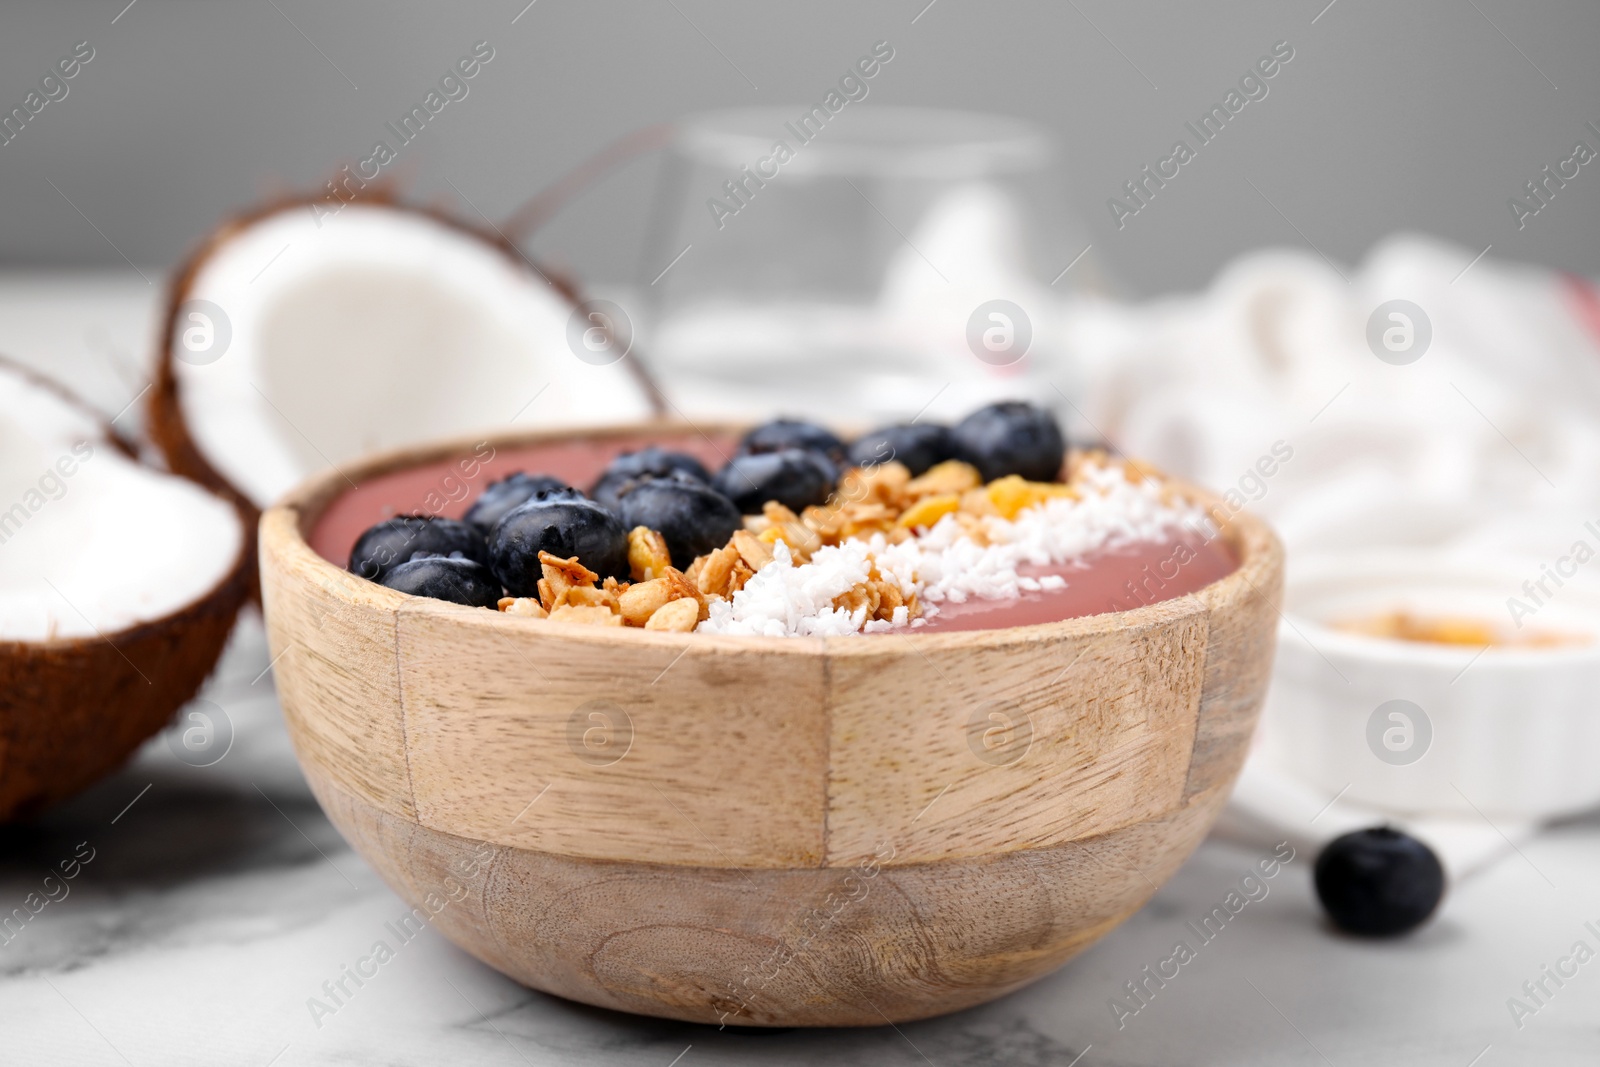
[{"x": 1511, "y": 732}]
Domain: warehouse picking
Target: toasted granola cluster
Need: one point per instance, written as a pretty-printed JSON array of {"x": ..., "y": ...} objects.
[
  {"x": 658, "y": 596},
  {"x": 881, "y": 499}
]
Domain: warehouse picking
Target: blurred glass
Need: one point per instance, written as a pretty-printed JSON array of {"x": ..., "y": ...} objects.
[{"x": 866, "y": 264}]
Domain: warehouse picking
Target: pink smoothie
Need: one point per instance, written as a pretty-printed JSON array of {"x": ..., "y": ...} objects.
[
  {"x": 1112, "y": 580},
  {"x": 449, "y": 486}
]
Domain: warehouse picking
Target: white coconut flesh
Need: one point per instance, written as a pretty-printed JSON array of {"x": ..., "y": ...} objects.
[
  {"x": 371, "y": 329},
  {"x": 92, "y": 542}
]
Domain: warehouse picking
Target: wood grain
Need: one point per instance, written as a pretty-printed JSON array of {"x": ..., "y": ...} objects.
[
  {"x": 1244, "y": 627},
  {"x": 332, "y": 638},
  {"x": 651, "y": 819},
  {"x": 679, "y": 751},
  {"x": 802, "y": 947},
  {"x": 961, "y": 749}
]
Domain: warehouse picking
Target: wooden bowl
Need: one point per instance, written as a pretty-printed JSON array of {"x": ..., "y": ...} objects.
[{"x": 757, "y": 831}]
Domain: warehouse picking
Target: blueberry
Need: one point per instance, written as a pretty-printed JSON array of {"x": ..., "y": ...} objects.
[
  {"x": 631, "y": 466},
  {"x": 1378, "y": 882},
  {"x": 565, "y": 524},
  {"x": 693, "y": 518},
  {"x": 394, "y": 541},
  {"x": 509, "y": 492},
  {"x": 781, "y": 434},
  {"x": 919, "y": 445},
  {"x": 794, "y": 477},
  {"x": 454, "y": 578},
  {"x": 1011, "y": 438}
]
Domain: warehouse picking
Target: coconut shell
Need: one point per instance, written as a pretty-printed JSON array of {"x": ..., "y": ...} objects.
[
  {"x": 166, "y": 427},
  {"x": 72, "y": 710}
]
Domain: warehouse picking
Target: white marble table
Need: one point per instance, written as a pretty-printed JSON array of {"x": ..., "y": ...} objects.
[{"x": 219, "y": 900}]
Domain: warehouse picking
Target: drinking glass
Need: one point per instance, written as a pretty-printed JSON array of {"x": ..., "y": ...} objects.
[{"x": 871, "y": 264}]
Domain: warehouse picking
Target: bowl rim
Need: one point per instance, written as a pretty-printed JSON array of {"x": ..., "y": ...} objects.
[
  {"x": 1413, "y": 568},
  {"x": 286, "y": 525}
]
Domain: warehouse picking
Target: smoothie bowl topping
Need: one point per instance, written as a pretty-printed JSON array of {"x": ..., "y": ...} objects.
[{"x": 990, "y": 523}]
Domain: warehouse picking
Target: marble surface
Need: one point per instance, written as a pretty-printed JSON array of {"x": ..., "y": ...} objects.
[{"x": 218, "y": 900}]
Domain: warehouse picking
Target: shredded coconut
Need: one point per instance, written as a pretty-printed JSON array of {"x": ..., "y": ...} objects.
[{"x": 785, "y": 599}]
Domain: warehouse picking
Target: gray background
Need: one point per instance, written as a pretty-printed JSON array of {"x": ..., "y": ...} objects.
[{"x": 1421, "y": 116}]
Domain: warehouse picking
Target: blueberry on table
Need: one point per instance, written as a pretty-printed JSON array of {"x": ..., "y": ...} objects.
[
  {"x": 1011, "y": 437},
  {"x": 652, "y": 461},
  {"x": 691, "y": 517},
  {"x": 1378, "y": 882},
  {"x": 795, "y": 477},
  {"x": 781, "y": 434},
  {"x": 919, "y": 445},
  {"x": 454, "y": 578},
  {"x": 563, "y": 524},
  {"x": 501, "y": 496},
  {"x": 392, "y": 542}
]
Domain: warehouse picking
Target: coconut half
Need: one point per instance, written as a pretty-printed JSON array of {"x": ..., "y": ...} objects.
[
  {"x": 298, "y": 338},
  {"x": 119, "y": 584}
]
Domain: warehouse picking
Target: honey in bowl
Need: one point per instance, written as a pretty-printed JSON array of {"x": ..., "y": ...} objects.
[{"x": 1460, "y": 630}]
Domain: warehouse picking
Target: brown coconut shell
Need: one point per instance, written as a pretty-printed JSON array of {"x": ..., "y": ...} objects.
[
  {"x": 72, "y": 710},
  {"x": 166, "y": 427}
]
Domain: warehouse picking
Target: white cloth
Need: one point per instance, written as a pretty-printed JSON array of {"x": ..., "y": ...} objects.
[
  {"x": 1488, "y": 442},
  {"x": 1490, "y": 439}
]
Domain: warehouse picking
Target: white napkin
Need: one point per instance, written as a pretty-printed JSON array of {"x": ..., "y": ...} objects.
[
  {"x": 1270, "y": 805},
  {"x": 1490, "y": 440}
]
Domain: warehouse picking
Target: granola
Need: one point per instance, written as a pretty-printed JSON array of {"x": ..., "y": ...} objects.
[{"x": 881, "y": 500}]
